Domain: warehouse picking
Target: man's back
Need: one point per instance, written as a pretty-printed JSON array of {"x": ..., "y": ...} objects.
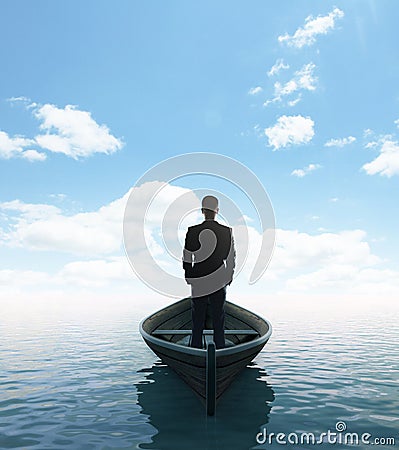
[
  {"x": 209, "y": 256},
  {"x": 209, "y": 242}
]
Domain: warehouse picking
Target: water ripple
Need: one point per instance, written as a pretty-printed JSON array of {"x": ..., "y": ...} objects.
[{"x": 70, "y": 384}]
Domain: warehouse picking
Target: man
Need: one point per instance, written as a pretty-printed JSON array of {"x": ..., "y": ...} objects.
[{"x": 208, "y": 262}]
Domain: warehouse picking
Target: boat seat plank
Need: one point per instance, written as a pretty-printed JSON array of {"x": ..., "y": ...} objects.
[{"x": 206, "y": 332}]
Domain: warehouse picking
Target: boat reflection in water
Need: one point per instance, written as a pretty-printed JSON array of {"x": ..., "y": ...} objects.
[{"x": 180, "y": 421}]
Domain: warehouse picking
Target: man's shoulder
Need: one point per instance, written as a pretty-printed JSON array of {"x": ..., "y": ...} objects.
[
  {"x": 223, "y": 227},
  {"x": 213, "y": 224},
  {"x": 193, "y": 231},
  {"x": 194, "y": 227}
]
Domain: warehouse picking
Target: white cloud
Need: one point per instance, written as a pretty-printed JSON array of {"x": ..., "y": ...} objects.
[
  {"x": 277, "y": 67},
  {"x": 66, "y": 130},
  {"x": 341, "y": 142},
  {"x": 290, "y": 130},
  {"x": 350, "y": 279},
  {"x": 34, "y": 155},
  {"x": 73, "y": 132},
  {"x": 313, "y": 27},
  {"x": 380, "y": 282},
  {"x": 87, "y": 273},
  {"x": 30, "y": 211},
  {"x": 295, "y": 250},
  {"x": 303, "y": 80},
  {"x": 306, "y": 170},
  {"x": 387, "y": 162},
  {"x": 327, "y": 262},
  {"x": 335, "y": 275},
  {"x": 255, "y": 90},
  {"x": 95, "y": 233},
  {"x": 46, "y": 227},
  {"x": 324, "y": 264},
  {"x": 22, "y": 277},
  {"x": 11, "y": 147},
  {"x": 97, "y": 273}
]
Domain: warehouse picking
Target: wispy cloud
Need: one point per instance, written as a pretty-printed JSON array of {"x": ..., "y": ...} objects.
[
  {"x": 25, "y": 101},
  {"x": 21, "y": 98},
  {"x": 303, "y": 80},
  {"x": 278, "y": 65},
  {"x": 295, "y": 101},
  {"x": 17, "y": 147},
  {"x": 313, "y": 27},
  {"x": 387, "y": 162},
  {"x": 368, "y": 132},
  {"x": 290, "y": 130},
  {"x": 340, "y": 142},
  {"x": 300, "y": 173},
  {"x": 255, "y": 90}
]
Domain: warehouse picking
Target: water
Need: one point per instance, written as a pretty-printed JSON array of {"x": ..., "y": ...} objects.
[{"x": 86, "y": 380}]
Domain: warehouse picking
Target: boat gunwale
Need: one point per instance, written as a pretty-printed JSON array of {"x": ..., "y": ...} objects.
[{"x": 202, "y": 352}]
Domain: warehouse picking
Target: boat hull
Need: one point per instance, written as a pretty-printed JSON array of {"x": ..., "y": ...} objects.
[{"x": 190, "y": 363}]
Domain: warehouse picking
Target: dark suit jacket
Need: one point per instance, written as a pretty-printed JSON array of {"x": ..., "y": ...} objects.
[{"x": 208, "y": 246}]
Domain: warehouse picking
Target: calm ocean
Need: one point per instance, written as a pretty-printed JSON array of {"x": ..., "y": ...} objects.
[{"x": 86, "y": 380}]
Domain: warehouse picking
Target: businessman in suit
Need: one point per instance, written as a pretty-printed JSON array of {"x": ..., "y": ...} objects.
[{"x": 208, "y": 262}]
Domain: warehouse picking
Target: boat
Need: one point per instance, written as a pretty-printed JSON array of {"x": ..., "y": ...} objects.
[{"x": 208, "y": 371}]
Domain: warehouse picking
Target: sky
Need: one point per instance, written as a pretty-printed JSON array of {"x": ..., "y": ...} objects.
[{"x": 94, "y": 94}]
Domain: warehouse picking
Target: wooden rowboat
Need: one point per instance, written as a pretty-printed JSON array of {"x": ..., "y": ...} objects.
[{"x": 207, "y": 371}]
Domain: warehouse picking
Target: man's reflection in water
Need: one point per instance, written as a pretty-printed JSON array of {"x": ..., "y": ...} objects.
[{"x": 180, "y": 418}]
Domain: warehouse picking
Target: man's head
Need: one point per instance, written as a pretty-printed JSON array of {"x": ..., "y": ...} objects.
[{"x": 210, "y": 206}]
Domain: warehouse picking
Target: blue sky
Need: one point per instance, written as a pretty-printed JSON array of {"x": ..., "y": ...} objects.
[{"x": 151, "y": 80}]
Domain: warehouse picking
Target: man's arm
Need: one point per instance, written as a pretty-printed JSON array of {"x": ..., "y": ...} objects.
[
  {"x": 187, "y": 257},
  {"x": 231, "y": 259}
]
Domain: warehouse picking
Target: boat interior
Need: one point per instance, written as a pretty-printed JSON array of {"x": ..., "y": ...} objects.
[{"x": 173, "y": 324}]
